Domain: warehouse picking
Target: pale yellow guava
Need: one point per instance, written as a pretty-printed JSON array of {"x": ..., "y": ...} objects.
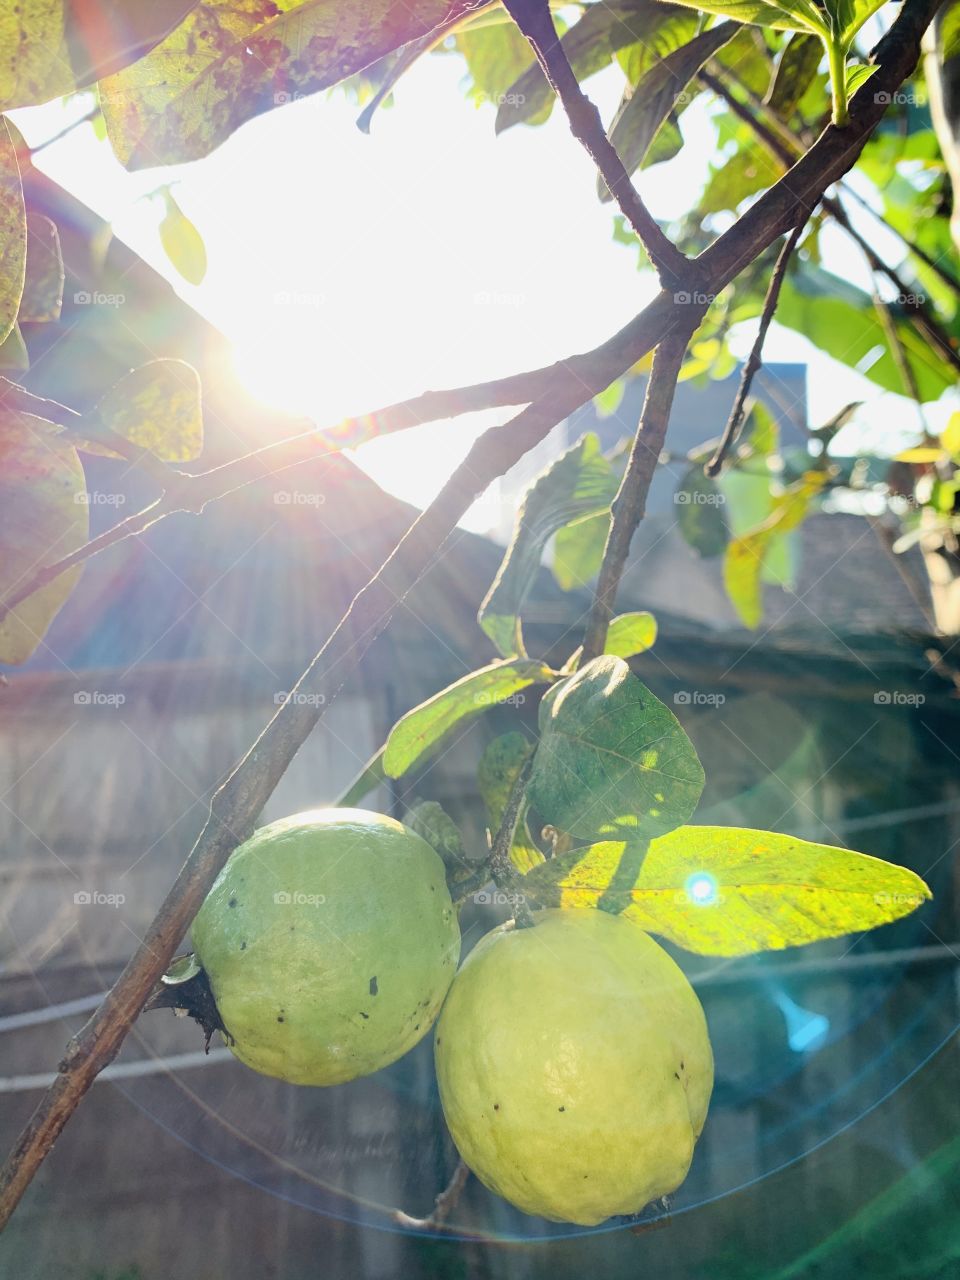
[
  {"x": 574, "y": 1065},
  {"x": 329, "y": 940}
]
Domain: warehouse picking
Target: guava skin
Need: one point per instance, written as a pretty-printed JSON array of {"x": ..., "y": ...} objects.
[
  {"x": 574, "y": 1066},
  {"x": 329, "y": 940}
]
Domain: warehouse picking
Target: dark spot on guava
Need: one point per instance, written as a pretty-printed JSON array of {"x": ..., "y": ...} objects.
[
  {"x": 232, "y": 902},
  {"x": 364, "y": 1015},
  {"x": 561, "y": 1108},
  {"x": 417, "y": 1027},
  {"x": 243, "y": 946},
  {"x": 681, "y": 1066},
  {"x": 373, "y": 985},
  {"x": 279, "y": 1018},
  {"x": 496, "y": 1106},
  {"x": 676, "y": 1075}
]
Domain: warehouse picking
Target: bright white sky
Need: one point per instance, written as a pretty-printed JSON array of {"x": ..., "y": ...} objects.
[{"x": 351, "y": 270}]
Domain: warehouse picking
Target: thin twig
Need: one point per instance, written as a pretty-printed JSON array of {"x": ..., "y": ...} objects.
[
  {"x": 239, "y": 800},
  {"x": 535, "y": 21},
  {"x": 920, "y": 315},
  {"x": 755, "y": 359},
  {"x": 501, "y": 864},
  {"x": 446, "y": 1201},
  {"x": 911, "y": 245},
  {"x": 629, "y": 504}
]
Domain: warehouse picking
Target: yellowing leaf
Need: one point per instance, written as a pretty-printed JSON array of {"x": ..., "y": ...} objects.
[
  {"x": 726, "y": 891},
  {"x": 157, "y": 407},
  {"x": 921, "y": 453},
  {"x": 182, "y": 242},
  {"x": 231, "y": 60},
  {"x": 43, "y": 502},
  {"x": 49, "y": 48},
  {"x": 950, "y": 436},
  {"x": 631, "y": 633},
  {"x": 13, "y": 232},
  {"x": 745, "y": 555}
]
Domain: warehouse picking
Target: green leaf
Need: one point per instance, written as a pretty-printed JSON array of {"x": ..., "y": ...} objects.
[
  {"x": 700, "y": 501},
  {"x": 370, "y": 777},
  {"x": 49, "y": 48},
  {"x": 858, "y": 74},
  {"x": 495, "y": 56},
  {"x": 580, "y": 483},
  {"x": 13, "y": 232},
  {"x": 231, "y": 60},
  {"x": 157, "y": 407},
  {"x": 726, "y": 891},
  {"x": 744, "y": 559},
  {"x": 497, "y": 773},
  {"x": 14, "y": 357},
  {"x": 45, "y": 516},
  {"x": 631, "y": 633},
  {"x": 589, "y": 45},
  {"x": 796, "y": 71},
  {"x": 182, "y": 242},
  {"x": 657, "y": 93},
  {"x": 840, "y": 319},
  {"x": 417, "y": 735},
  {"x": 948, "y": 32},
  {"x": 578, "y": 550},
  {"x": 43, "y": 280},
  {"x": 750, "y": 169},
  {"x": 612, "y": 758},
  {"x": 432, "y": 823},
  {"x": 791, "y": 15}
]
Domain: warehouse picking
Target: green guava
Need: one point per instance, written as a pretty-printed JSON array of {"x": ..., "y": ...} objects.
[
  {"x": 574, "y": 1065},
  {"x": 329, "y": 941}
]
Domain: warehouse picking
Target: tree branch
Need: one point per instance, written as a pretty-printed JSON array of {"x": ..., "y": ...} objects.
[
  {"x": 628, "y": 506},
  {"x": 447, "y": 1200},
  {"x": 535, "y": 21},
  {"x": 501, "y": 864},
  {"x": 755, "y": 359},
  {"x": 238, "y": 802}
]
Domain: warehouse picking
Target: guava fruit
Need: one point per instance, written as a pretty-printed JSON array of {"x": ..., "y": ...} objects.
[
  {"x": 574, "y": 1066},
  {"x": 329, "y": 941}
]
